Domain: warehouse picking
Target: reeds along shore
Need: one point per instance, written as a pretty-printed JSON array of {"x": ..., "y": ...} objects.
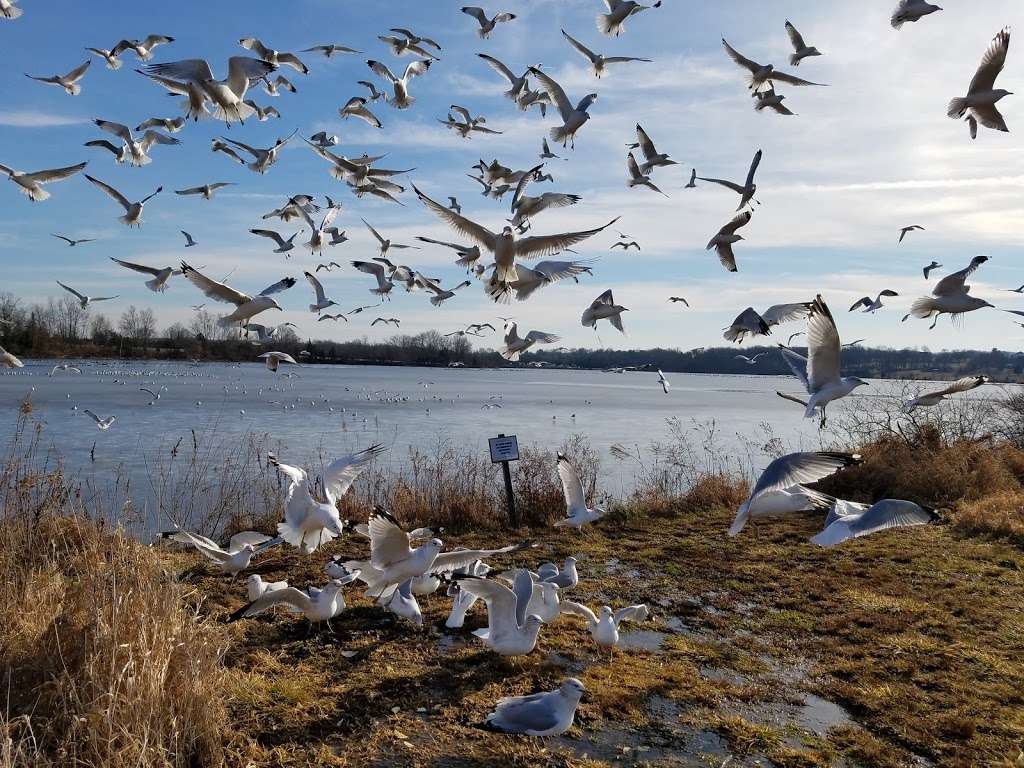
[{"x": 109, "y": 661}]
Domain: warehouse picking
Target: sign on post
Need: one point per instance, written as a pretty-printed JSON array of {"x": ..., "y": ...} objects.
[{"x": 503, "y": 450}]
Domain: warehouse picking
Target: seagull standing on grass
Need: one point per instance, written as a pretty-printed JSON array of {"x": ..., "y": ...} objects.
[
  {"x": 872, "y": 306},
  {"x": 928, "y": 399},
  {"x": 780, "y": 488},
  {"x": 309, "y": 523},
  {"x": 315, "y": 604},
  {"x": 605, "y": 629},
  {"x": 550, "y": 713},
  {"x": 819, "y": 372},
  {"x": 230, "y": 560},
  {"x": 247, "y": 306},
  {"x": 133, "y": 211},
  {"x": 982, "y": 94},
  {"x": 83, "y": 300},
  {"x": 31, "y": 183},
  {"x": 578, "y": 513},
  {"x": 515, "y": 346},
  {"x": 849, "y": 520}
]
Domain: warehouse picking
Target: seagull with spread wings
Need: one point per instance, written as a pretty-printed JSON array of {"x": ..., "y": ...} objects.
[
  {"x": 752, "y": 323},
  {"x": 317, "y": 239},
  {"x": 84, "y": 300},
  {"x": 504, "y": 245},
  {"x": 911, "y": 228},
  {"x": 598, "y": 62},
  {"x": 160, "y": 276},
  {"x": 206, "y": 190},
  {"x": 228, "y": 96},
  {"x": 277, "y": 58},
  {"x": 68, "y": 82},
  {"x": 982, "y": 95},
  {"x": 604, "y": 308},
  {"x": 950, "y": 296},
  {"x": 545, "y": 273},
  {"x": 652, "y": 158},
  {"x": 400, "y": 46},
  {"x": 525, "y": 207},
  {"x": 605, "y": 628},
  {"x": 723, "y": 241},
  {"x": 322, "y": 302},
  {"x": 872, "y": 305},
  {"x": 573, "y": 118},
  {"x": 761, "y": 74},
  {"x": 30, "y": 183},
  {"x": 801, "y": 50},
  {"x": 748, "y": 189},
  {"x": 820, "y": 371},
  {"x": 849, "y": 520},
  {"x": 911, "y": 11},
  {"x": 232, "y": 558},
  {"x": 283, "y": 246},
  {"x": 72, "y": 243},
  {"x": 510, "y": 630},
  {"x": 384, "y": 285},
  {"x": 487, "y": 25},
  {"x": 400, "y": 86},
  {"x": 638, "y": 178},
  {"x": 577, "y": 513},
  {"x": 515, "y": 346},
  {"x": 137, "y": 150},
  {"x": 356, "y": 107},
  {"x": 317, "y": 605},
  {"x": 330, "y": 50},
  {"x": 262, "y": 158},
  {"x": 613, "y": 23},
  {"x": 133, "y": 211},
  {"x": 9, "y": 11},
  {"x": 934, "y": 397},
  {"x": 246, "y": 307}
]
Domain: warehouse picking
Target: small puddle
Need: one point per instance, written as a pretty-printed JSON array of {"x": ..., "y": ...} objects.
[
  {"x": 818, "y": 715},
  {"x": 449, "y": 644},
  {"x": 643, "y": 639}
]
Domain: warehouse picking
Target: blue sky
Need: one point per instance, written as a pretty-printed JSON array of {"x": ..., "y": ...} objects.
[{"x": 865, "y": 156}]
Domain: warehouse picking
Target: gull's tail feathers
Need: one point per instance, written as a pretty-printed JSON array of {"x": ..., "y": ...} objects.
[{"x": 957, "y": 107}]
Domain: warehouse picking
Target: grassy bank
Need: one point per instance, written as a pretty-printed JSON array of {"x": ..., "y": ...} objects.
[{"x": 906, "y": 648}]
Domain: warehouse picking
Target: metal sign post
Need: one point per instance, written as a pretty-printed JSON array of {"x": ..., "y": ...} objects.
[{"x": 503, "y": 450}]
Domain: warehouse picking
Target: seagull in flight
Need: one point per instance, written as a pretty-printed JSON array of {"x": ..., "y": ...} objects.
[
  {"x": 31, "y": 183},
  {"x": 626, "y": 246},
  {"x": 227, "y": 96},
  {"x": 748, "y": 189},
  {"x": 9, "y": 11},
  {"x": 692, "y": 183},
  {"x": 160, "y": 276},
  {"x": 751, "y": 323},
  {"x": 677, "y": 299},
  {"x": 598, "y": 62},
  {"x": 83, "y": 300},
  {"x": 136, "y": 151},
  {"x": 849, "y": 520},
  {"x": 652, "y": 158},
  {"x": 283, "y": 246},
  {"x": 604, "y": 308},
  {"x": 73, "y": 243},
  {"x": 206, "y": 190},
  {"x": 573, "y": 118},
  {"x": 246, "y": 307},
  {"x": 760, "y": 74},
  {"x": 356, "y": 107},
  {"x": 951, "y": 295},
  {"x": 612, "y": 24},
  {"x": 68, "y": 82},
  {"x": 870, "y": 305},
  {"x": 934, "y": 397},
  {"x": 936, "y": 265},
  {"x": 384, "y": 284},
  {"x": 723, "y": 241},
  {"x": 751, "y": 360},
  {"x": 330, "y": 50},
  {"x": 102, "y": 424},
  {"x": 322, "y": 302},
  {"x": 515, "y": 346},
  {"x": 578, "y": 513},
  {"x": 911, "y": 10},
  {"x": 637, "y": 178},
  {"x": 663, "y": 382},
  {"x": 486, "y": 25},
  {"x": 277, "y": 58},
  {"x": 982, "y": 94},
  {"x": 400, "y": 86},
  {"x": 800, "y": 49},
  {"x": 189, "y": 242},
  {"x": 911, "y": 228},
  {"x": 133, "y": 211}
]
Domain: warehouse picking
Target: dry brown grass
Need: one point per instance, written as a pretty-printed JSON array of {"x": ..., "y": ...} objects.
[{"x": 103, "y": 657}]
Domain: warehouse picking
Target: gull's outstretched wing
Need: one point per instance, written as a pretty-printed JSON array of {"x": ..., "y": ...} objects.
[
  {"x": 341, "y": 473},
  {"x": 213, "y": 289},
  {"x": 572, "y": 487},
  {"x": 823, "y": 347}
]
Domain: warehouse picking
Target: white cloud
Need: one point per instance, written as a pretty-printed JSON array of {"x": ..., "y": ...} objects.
[{"x": 29, "y": 118}]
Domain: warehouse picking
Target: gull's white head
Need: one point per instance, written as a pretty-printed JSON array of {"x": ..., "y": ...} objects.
[{"x": 572, "y": 688}]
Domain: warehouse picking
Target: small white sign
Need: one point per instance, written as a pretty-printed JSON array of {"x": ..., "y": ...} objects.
[{"x": 504, "y": 449}]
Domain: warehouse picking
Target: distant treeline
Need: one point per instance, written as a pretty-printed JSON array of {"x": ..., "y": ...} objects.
[{"x": 61, "y": 328}]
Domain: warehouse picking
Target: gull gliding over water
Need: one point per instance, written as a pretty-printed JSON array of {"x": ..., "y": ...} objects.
[
  {"x": 515, "y": 346},
  {"x": 246, "y": 307},
  {"x": 934, "y": 397},
  {"x": 950, "y": 296}
]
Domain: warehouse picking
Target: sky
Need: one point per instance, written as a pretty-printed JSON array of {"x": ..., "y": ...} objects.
[{"x": 863, "y": 157}]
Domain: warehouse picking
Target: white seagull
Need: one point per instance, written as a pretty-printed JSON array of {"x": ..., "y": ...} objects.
[
  {"x": 137, "y": 150},
  {"x": 652, "y": 158},
  {"x": 760, "y": 74},
  {"x": 873, "y": 305},
  {"x": 663, "y": 382},
  {"x": 322, "y": 302},
  {"x": 160, "y": 276},
  {"x": 262, "y": 158},
  {"x": 597, "y": 61},
  {"x": 550, "y": 713},
  {"x": 929, "y": 399},
  {"x": 723, "y": 241},
  {"x": 820, "y": 371},
  {"x": 604, "y": 308},
  {"x": 515, "y": 346},
  {"x": 283, "y": 246},
  {"x": 85, "y": 301},
  {"x": 232, "y": 559},
  {"x": 31, "y": 183},
  {"x": 605, "y": 629},
  {"x": 68, "y": 82},
  {"x": 384, "y": 285},
  {"x": 951, "y": 295},
  {"x": 850, "y": 520},
  {"x": 277, "y": 58},
  {"x": 578, "y": 513},
  {"x": 982, "y": 94},
  {"x": 779, "y": 489},
  {"x": 228, "y": 96},
  {"x": 206, "y": 190},
  {"x": 133, "y": 211},
  {"x": 315, "y": 604},
  {"x": 613, "y": 23},
  {"x": 637, "y": 178},
  {"x": 356, "y": 107},
  {"x": 751, "y": 323},
  {"x": 73, "y": 243},
  {"x": 486, "y": 25},
  {"x": 573, "y": 118},
  {"x": 102, "y": 424},
  {"x": 246, "y": 307},
  {"x": 7, "y": 360},
  {"x": 510, "y": 630},
  {"x": 274, "y": 359},
  {"x": 401, "y": 99},
  {"x": 9, "y": 11},
  {"x": 308, "y": 522}
]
